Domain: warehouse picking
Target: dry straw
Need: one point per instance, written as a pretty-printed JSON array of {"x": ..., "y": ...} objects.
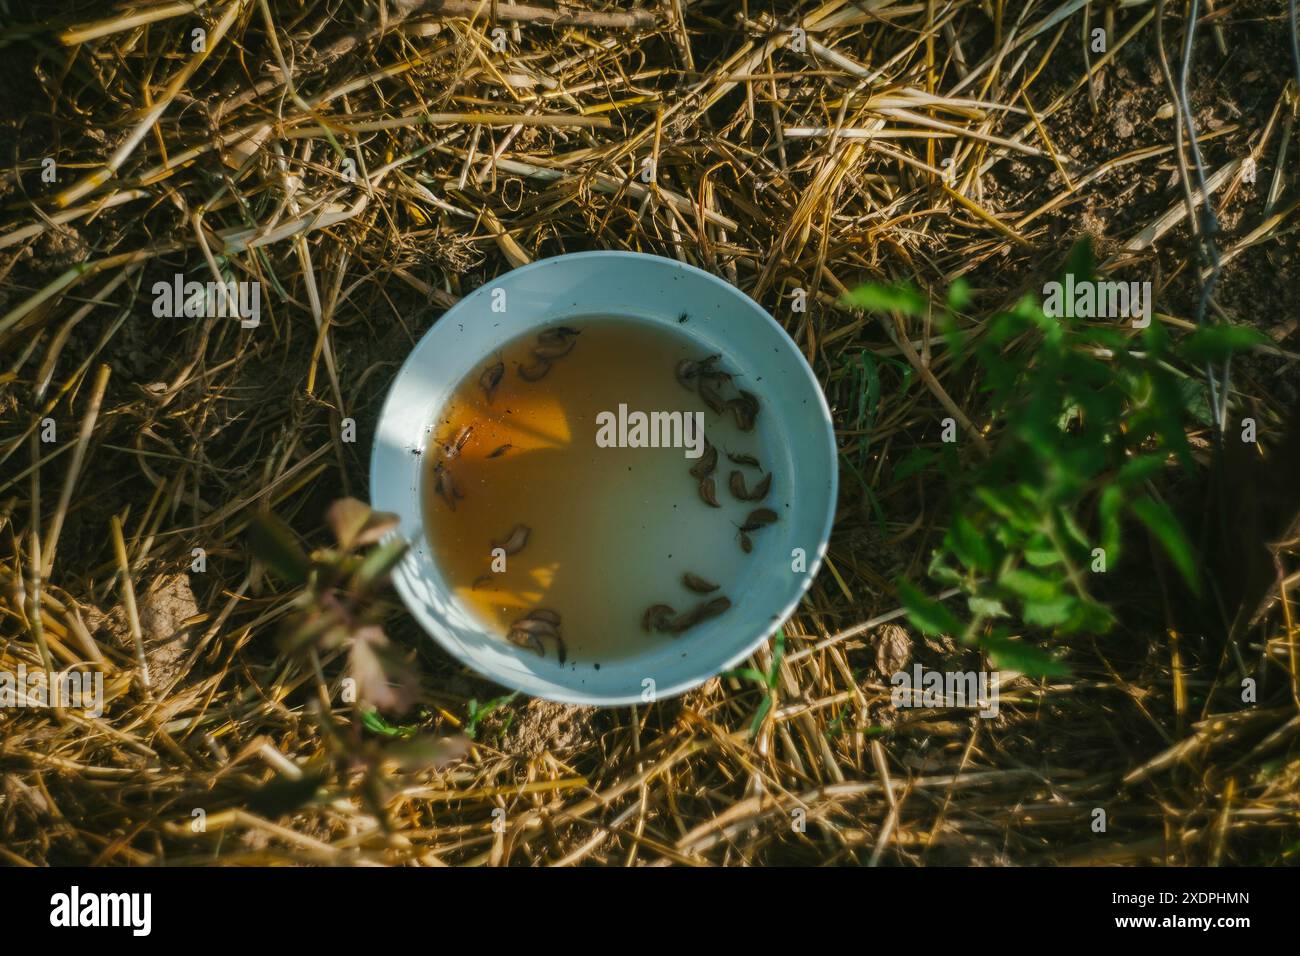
[{"x": 369, "y": 164}]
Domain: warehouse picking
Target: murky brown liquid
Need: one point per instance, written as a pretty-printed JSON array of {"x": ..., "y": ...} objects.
[{"x": 612, "y": 530}]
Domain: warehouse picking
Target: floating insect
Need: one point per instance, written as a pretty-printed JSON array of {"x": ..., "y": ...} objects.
[
  {"x": 556, "y": 342},
  {"x": 690, "y": 371},
  {"x": 716, "y": 606},
  {"x": 699, "y": 613},
  {"x": 707, "y": 493},
  {"x": 446, "y": 486},
  {"x": 558, "y": 335},
  {"x": 708, "y": 368},
  {"x": 758, "y": 519},
  {"x": 514, "y": 542},
  {"x": 697, "y": 584},
  {"x": 708, "y": 461},
  {"x": 453, "y": 448},
  {"x": 534, "y": 371},
  {"x": 745, "y": 409},
  {"x": 737, "y": 485},
  {"x": 552, "y": 344},
  {"x": 749, "y": 460},
  {"x": 491, "y": 378},
  {"x": 757, "y": 493},
  {"x": 548, "y": 352},
  {"x": 501, "y": 450},
  {"x": 683, "y": 317},
  {"x": 687, "y": 371},
  {"x": 709, "y": 393},
  {"x": 657, "y": 617},
  {"x": 529, "y": 630}
]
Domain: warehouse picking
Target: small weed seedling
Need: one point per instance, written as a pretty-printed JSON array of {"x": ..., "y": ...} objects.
[
  {"x": 1085, "y": 419},
  {"x": 338, "y": 611}
]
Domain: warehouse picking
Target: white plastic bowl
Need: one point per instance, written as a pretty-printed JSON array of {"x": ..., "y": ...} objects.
[{"x": 798, "y": 438}]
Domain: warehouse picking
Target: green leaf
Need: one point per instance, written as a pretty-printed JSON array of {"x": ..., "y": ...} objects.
[
  {"x": 379, "y": 562},
  {"x": 778, "y": 652},
  {"x": 882, "y": 298},
  {"x": 986, "y": 607},
  {"x": 1030, "y": 586},
  {"x": 1081, "y": 261},
  {"x": 1089, "y": 617},
  {"x": 1162, "y": 523},
  {"x": 953, "y": 335},
  {"x": 346, "y": 518},
  {"x": 477, "y": 713},
  {"x": 1048, "y": 613},
  {"x": 1138, "y": 469},
  {"x": 275, "y": 546},
  {"x": 928, "y": 615},
  {"x": 969, "y": 545},
  {"x": 869, "y": 397},
  {"x": 373, "y": 722},
  {"x": 1196, "y": 400},
  {"x": 1213, "y": 343},
  {"x": 1009, "y": 506},
  {"x": 941, "y": 572},
  {"x": 1041, "y": 553},
  {"x": 355, "y": 525},
  {"x": 763, "y": 707},
  {"x": 1108, "y": 512},
  {"x": 386, "y": 678},
  {"x": 1022, "y": 657},
  {"x": 1072, "y": 530},
  {"x": 958, "y": 295},
  {"x": 916, "y": 460}
]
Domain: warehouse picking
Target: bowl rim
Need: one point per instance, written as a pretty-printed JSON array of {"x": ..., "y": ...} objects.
[{"x": 554, "y": 690}]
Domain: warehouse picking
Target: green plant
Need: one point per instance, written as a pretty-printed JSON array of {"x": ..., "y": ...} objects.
[
  {"x": 865, "y": 383},
  {"x": 767, "y": 682},
  {"x": 338, "y": 610},
  {"x": 1084, "y": 418},
  {"x": 479, "y": 712}
]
